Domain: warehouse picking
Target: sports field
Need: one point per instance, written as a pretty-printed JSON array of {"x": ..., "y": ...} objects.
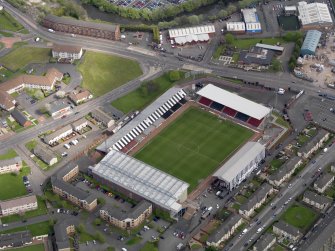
[{"x": 194, "y": 145}]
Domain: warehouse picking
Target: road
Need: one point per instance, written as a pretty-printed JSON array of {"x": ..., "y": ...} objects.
[{"x": 298, "y": 186}]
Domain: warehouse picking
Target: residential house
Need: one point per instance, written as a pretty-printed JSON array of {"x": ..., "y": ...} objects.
[
  {"x": 80, "y": 97},
  {"x": 103, "y": 117},
  {"x": 45, "y": 155},
  {"x": 18, "y": 205},
  {"x": 224, "y": 232},
  {"x": 20, "y": 118},
  {"x": 67, "y": 52},
  {"x": 265, "y": 242},
  {"x": 316, "y": 200},
  {"x": 69, "y": 192},
  {"x": 323, "y": 182},
  {"x": 10, "y": 165},
  {"x": 7, "y": 102},
  {"x": 16, "y": 239},
  {"x": 58, "y": 108},
  {"x": 314, "y": 144},
  {"x": 63, "y": 230},
  {"x": 127, "y": 220},
  {"x": 286, "y": 230},
  {"x": 256, "y": 200},
  {"x": 79, "y": 124},
  {"x": 57, "y": 135},
  {"x": 285, "y": 171}
]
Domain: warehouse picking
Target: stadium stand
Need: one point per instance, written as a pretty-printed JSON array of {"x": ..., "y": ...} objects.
[
  {"x": 125, "y": 139},
  {"x": 233, "y": 105}
]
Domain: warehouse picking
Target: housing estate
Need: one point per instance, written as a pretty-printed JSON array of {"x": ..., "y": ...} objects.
[
  {"x": 45, "y": 155},
  {"x": 265, "y": 242},
  {"x": 61, "y": 51},
  {"x": 80, "y": 97},
  {"x": 18, "y": 205},
  {"x": 63, "y": 230},
  {"x": 58, "y": 135},
  {"x": 323, "y": 182},
  {"x": 20, "y": 118},
  {"x": 286, "y": 230},
  {"x": 103, "y": 117},
  {"x": 10, "y": 165},
  {"x": 224, "y": 232},
  {"x": 127, "y": 220},
  {"x": 58, "y": 108},
  {"x": 316, "y": 200},
  {"x": 285, "y": 171},
  {"x": 15, "y": 240},
  {"x": 314, "y": 144}
]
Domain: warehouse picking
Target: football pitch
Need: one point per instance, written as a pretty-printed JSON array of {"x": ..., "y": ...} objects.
[{"x": 193, "y": 146}]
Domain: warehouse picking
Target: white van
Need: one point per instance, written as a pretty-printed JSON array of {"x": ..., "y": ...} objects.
[
  {"x": 259, "y": 230},
  {"x": 66, "y": 146},
  {"x": 218, "y": 193},
  {"x": 37, "y": 39},
  {"x": 244, "y": 231},
  {"x": 210, "y": 209},
  {"x": 281, "y": 91},
  {"x": 51, "y": 30}
]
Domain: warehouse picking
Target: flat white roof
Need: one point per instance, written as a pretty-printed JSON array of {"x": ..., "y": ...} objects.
[
  {"x": 197, "y": 30},
  {"x": 234, "y": 101},
  {"x": 235, "y": 26},
  {"x": 314, "y": 13},
  {"x": 270, "y": 47},
  {"x": 290, "y": 8},
  {"x": 250, "y": 15},
  {"x": 142, "y": 179},
  {"x": 239, "y": 161}
]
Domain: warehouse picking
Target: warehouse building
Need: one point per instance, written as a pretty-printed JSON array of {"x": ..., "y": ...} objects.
[
  {"x": 236, "y": 27},
  {"x": 314, "y": 15},
  {"x": 191, "y": 35},
  {"x": 138, "y": 181},
  {"x": 240, "y": 166},
  {"x": 310, "y": 43},
  {"x": 251, "y": 20}
]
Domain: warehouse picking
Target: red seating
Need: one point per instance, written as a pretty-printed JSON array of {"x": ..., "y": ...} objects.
[
  {"x": 229, "y": 111},
  {"x": 205, "y": 101},
  {"x": 254, "y": 122}
]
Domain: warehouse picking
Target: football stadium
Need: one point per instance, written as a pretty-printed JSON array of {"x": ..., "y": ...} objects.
[{"x": 173, "y": 146}]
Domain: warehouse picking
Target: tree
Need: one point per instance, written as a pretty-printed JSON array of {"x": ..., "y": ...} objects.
[
  {"x": 229, "y": 38},
  {"x": 100, "y": 238},
  {"x": 223, "y": 13},
  {"x": 101, "y": 201},
  {"x": 81, "y": 228},
  {"x": 38, "y": 94},
  {"x": 174, "y": 75},
  {"x": 97, "y": 222},
  {"x": 276, "y": 65},
  {"x": 231, "y": 8},
  {"x": 194, "y": 19},
  {"x": 210, "y": 248}
]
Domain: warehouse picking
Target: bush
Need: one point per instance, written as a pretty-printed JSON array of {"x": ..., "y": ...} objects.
[
  {"x": 100, "y": 238},
  {"x": 174, "y": 75},
  {"x": 81, "y": 228},
  {"x": 155, "y": 32}
]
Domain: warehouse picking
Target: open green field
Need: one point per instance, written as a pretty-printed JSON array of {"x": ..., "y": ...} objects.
[
  {"x": 41, "y": 210},
  {"x": 248, "y": 42},
  {"x": 10, "y": 181},
  {"x": 300, "y": 216},
  {"x": 194, "y": 145},
  {"x": 38, "y": 247},
  {"x": 7, "y": 22},
  {"x": 103, "y": 73},
  {"x": 144, "y": 95},
  {"x": 8, "y": 155},
  {"x": 36, "y": 229},
  {"x": 26, "y": 55}
]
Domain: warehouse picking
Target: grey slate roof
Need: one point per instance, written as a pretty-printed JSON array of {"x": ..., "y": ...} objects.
[
  {"x": 224, "y": 228},
  {"x": 257, "y": 55},
  {"x": 264, "y": 241},
  {"x": 287, "y": 228},
  {"x": 43, "y": 153},
  {"x": 317, "y": 198},
  {"x": 16, "y": 239},
  {"x": 256, "y": 197},
  {"x": 72, "y": 21},
  {"x": 58, "y": 105},
  {"x": 310, "y": 144},
  {"x": 103, "y": 116},
  {"x": 66, "y": 169},
  {"x": 16, "y": 202},
  {"x": 12, "y": 161},
  {"x": 55, "y": 134},
  {"x": 283, "y": 170},
  {"x": 70, "y": 189},
  {"x": 134, "y": 213},
  {"x": 323, "y": 180},
  {"x": 19, "y": 117},
  {"x": 62, "y": 239},
  {"x": 79, "y": 122}
]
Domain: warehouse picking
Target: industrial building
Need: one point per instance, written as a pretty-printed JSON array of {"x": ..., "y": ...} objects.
[
  {"x": 314, "y": 15},
  {"x": 190, "y": 35},
  {"x": 310, "y": 43},
  {"x": 251, "y": 20},
  {"x": 233, "y": 105},
  {"x": 138, "y": 181},
  {"x": 236, "y": 27},
  {"x": 240, "y": 166},
  {"x": 256, "y": 56}
]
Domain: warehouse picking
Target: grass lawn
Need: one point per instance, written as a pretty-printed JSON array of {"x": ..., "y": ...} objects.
[
  {"x": 6, "y": 34},
  {"x": 299, "y": 216},
  {"x": 275, "y": 164},
  {"x": 57, "y": 202},
  {"x": 280, "y": 120},
  {"x": 7, "y": 22},
  {"x": 219, "y": 51},
  {"x": 38, "y": 247},
  {"x": 139, "y": 98},
  {"x": 9, "y": 181},
  {"x": 31, "y": 145},
  {"x": 103, "y": 73},
  {"x": 41, "y": 210},
  {"x": 36, "y": 229},
  {"x": 194, "y": 145},
  {"x": 248, "y": 42},
  {"x": 27, "y": 55},
  {"x": 149, "y": 246},
  {"x": 84, "y": 236},
  {"x": 236, "y": 57},
  {"x": 134, "y": 241},
  {"x": 5, "y": 74},
  {"x": 277, "y": 247},
  {"x": 8, "y": 155}
]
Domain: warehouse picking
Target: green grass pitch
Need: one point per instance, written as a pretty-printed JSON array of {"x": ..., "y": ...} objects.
[{"x": 194, "y": 145}]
